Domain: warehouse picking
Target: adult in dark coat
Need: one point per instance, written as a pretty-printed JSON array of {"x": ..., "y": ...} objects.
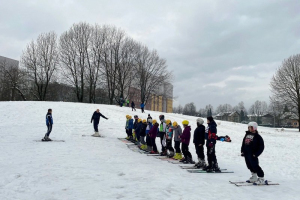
[{"x": 96, "y": 118}]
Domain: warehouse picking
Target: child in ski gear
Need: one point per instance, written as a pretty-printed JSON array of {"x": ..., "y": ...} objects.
[
  {"x": 126, "y": 126},
  {"x": 211, "y": 145},
  {"x": 134, "y": 127},
  {"x": 96, "y": 118},
  {"x": 148, "y": 139},
  {"x": 162, "y": 135},
  {"x": 138, "y": 131},
  {"x": 169, "y": 137},
  {"x": 133, "y": 106},
  {"x": 199, "y": 141},
  {"x": 153, "y": 134},
  {"x": 49, "y": 124},
  {"x": 185, "y": 141},
  {"x": 130, "y": 127},
  {"x": 252, "y": 148},
  {"x": 143, "y": 134},
  {"x": 177, "y": 132}
]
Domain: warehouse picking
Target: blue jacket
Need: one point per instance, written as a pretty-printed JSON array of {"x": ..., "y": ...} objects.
[
  {"x": 130, "y": 124},
  {"x": 49, "y": 119},
  {"x": 148, "y": 128},
  {"x": 142, "y": 105}
]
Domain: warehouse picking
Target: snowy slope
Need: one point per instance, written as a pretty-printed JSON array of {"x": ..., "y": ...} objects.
[{"x": 104, "y": 168}]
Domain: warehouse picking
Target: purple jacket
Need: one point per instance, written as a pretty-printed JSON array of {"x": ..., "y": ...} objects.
[
  {"x": 186, "y": 135},
  {"x": 153, "y": 131}
]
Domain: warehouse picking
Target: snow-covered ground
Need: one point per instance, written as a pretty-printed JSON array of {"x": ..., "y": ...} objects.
[{"x": 104, "y": 168}]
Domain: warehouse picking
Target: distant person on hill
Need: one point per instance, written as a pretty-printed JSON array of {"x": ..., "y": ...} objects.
[
  {"x": 133, "y": 106},
  {"x": 252, "y": 148},
  {"x": 96, "y": 118},
  {"x": 143, "y": 107},
  {"x": 49, "y": 124},
  {"x": 127, "y": 103}
]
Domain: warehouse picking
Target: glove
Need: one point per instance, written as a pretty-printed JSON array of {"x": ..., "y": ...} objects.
[
  {"x": 222, "y": 139},
  {"x": 211, "y": 145}
]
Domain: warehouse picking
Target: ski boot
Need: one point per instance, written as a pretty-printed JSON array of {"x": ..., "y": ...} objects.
[
  {"x": 96, "y": 134},
  {"x": 182, "y": 160},
  {"x": 171, "y": 154},
  {"x": 179, "y": 157},
  {"x": 260, "y": 181},
  {"x": 253, "y": 178},
  {"x": 154, "y": 152},
  {"x": 163, "y": 153}
]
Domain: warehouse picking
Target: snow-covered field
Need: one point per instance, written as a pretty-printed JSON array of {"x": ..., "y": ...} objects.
[{"x": 91, "y": 168}]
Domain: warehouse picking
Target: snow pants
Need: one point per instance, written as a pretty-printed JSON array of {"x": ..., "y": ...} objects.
[
  {"x": 148, "y": 141},
  {"x": 142, "y": 140},
  {"x": 177, "y": 147},
  {"x": 162, "y": 136},
  {"x": 154, "y": 148},
  {"x": 49, "y": 129},
  {"x": 169, "y": 145},
  {"x": 96, "y": 126},
  {"x": 253, "y": 165},
  {"x": 200, "y": 151},
  {"x": 185, "y": 151},
  {"x": 211, "y": 156}
]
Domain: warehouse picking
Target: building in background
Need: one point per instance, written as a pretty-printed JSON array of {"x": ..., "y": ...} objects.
[{"x": 161, "y": 100}]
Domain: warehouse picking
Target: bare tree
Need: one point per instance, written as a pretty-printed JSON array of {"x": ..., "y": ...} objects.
[
  {"x": 14, "y": 77},
  {"x": 151, "y": 72},
  {"x": 40, "y": 58},
  {"x": 74, "y": 56},
  {"x": 190, "y": 109},
  {"x": 276, "y": 108},
  {"x": 285, "y": 84},
  {"x": 259, "y": 108},
  {"x": 224, "y": 108}
]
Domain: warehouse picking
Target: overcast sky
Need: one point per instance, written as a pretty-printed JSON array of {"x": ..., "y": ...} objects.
[{"x": 220, "y": 51}]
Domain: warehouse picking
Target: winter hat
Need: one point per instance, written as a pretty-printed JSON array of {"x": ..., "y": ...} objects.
[
  {"x": 254, "y": 125},
  {"x": 210, "y": 118},
  {"x": 200, "y": 121}
]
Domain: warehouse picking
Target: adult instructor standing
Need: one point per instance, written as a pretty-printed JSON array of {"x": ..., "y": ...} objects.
[{"x": 96, "y": 118}]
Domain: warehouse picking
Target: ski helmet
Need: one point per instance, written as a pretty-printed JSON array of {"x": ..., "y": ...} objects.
[{"x": 200, "y": 121}]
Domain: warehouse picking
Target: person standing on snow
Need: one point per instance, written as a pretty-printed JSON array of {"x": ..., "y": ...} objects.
[
  {"x": 149, "y": 119},
  {"x": 133, "y": 106},
  {"x": 177, "y": 132},
  {"x": 252, "y": 148},
  {"x": 211, "y": 146},
  {"x": 162, "y": 135},
  {"x": 185, "y": 141},
  {"x": 96, "y": 118},
  {"x": 153, "y": 134},
  {"x": 142, "y": 107},
  {"x": 49, "y": 124},
  {"x": 199, "y": 141},
  {"x": 169, "y": 137}
]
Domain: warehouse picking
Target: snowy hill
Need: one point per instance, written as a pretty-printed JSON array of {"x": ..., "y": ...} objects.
[{"x": 104, "y": 168}]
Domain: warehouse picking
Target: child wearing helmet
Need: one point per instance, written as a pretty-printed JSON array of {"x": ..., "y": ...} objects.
[
  {"x": 126, "y": 126},
  {"x": 199, "y": 141},
  {"x": 143, "y": 134},
  {"x": 211, "y": 146},
  {"x": 153, "y": 134},
  {"x": 252, "y": 148},
  {"x": 136, "y": 118},
  {"x": 130, "y": 127},
  {"x": 169, "y": 137},
  {"x": 177, "y": 132},
  {"x": 185, "y": 141}
]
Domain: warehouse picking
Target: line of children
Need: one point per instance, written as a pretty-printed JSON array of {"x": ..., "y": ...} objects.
[{"x": 252, "y": 146}]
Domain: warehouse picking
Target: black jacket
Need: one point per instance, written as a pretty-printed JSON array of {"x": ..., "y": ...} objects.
[
  {"x": 199, "y": 135},
  {"x": 253, "y": 144},
  {"x": 132, "y": 104},
  {"x": 143, "y": 130},
  {"x": 96, "y": 117}
]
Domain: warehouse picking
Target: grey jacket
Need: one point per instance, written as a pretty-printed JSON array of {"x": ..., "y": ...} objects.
[{"x": 177, "y": 132}]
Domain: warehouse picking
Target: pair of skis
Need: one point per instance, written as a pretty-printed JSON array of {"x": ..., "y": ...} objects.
[{"x": 244, "y": 183}]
